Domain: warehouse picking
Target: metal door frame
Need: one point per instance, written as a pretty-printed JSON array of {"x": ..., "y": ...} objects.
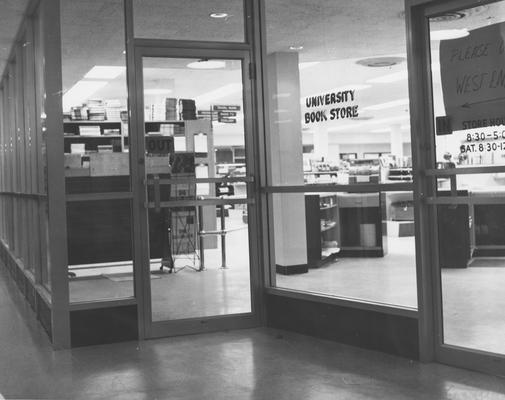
[
  {"x": 149, "y": 328},
  {"x": 432, "y": 347}
]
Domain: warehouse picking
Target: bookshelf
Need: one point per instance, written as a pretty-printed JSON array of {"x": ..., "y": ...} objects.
[{"x": 322, "y": 229}]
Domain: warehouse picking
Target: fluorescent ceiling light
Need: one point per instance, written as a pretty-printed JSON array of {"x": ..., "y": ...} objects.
[
  {"x": 157, "y": 91},
  {"x": 104, "y": 72},
  {"x": 380, "y": 130},
  {"x": 213, "y": 95},
  {"x": 446, "y": 34},
  {"x": 294, "y": 47},
  {"x": 81, "y": 92},
  {"x": 389, "y": 104},
  {"x": 386, "y": 130},
  {"x": 389, "y": 78},
  {"x": 207, "y": 64},
  {"x": 304, "y": 65},
  {"x": 219, "y": 15}
]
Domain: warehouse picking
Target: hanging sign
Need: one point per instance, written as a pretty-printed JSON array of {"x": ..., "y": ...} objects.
[
  {"x": 330, "y": 106},
  {"x": 472, "y": 69},
  {"x": 226, "y": 108}
]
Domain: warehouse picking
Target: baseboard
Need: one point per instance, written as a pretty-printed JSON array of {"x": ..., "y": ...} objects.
[{"x": 291, "y": 269}]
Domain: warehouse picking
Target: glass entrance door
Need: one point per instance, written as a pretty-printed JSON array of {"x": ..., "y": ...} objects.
[
  {"x": 196, "y": 178},
  {"x": 465, "y": 181}
]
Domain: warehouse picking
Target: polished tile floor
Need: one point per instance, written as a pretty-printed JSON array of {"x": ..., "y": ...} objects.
[{"x": 244, "y": 364}]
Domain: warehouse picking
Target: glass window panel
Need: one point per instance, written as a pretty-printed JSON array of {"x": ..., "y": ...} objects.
[
  {"x": 338, "y": 113},
  {"x": 95, "y": 97},
  {"x": 338, "y": 96},
  {"x": 96, "y": 144},
  {"x": 358, "y": 246},
  {"x": 208, "y": 20},
  {"x": 41, "y": 154},
  {"x": 468, "y": 93},
  {"x": 204, "y": 109},
  {"x": 100, "y": 250}
]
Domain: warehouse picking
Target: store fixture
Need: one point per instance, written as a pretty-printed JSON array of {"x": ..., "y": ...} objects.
[
  {"x": 362, "y": 232},
  {"x": 321, "y": 221}
]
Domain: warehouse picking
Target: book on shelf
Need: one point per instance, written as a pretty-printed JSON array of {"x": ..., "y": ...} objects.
[
  {"x": 111, "y": 132},
  {"x": 89, "y": 130}
]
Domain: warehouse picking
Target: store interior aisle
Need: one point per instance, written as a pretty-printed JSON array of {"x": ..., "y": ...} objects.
[{"x": 245, "y": 364}]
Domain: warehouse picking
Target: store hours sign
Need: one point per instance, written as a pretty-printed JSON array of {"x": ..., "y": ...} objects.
[{"x": 330, "y": 106}]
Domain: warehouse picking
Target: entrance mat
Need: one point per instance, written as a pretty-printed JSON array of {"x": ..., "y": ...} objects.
[
  {"x": 124, "y": 277},
  {"x": 487, "y": 262}
]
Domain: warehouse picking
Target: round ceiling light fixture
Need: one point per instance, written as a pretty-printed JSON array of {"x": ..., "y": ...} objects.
[
  {"x": 295, "y": 48},
  {"x": 207, "y": 64},
  {"x": 377, "y": 62},
  {"x": 446, "y": 34},
  {"x": 219, "y": 15}
]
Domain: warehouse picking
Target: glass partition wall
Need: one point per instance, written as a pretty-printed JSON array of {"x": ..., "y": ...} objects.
[
  {"x": 23, "y": 178},
  {"x": 339, "y": 153},
  {"x": 334, "y": 162}
]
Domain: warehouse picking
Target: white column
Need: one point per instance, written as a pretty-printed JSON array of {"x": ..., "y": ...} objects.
[
  {"x": 396, "y": 140},
  {"x": 321, "y": 147},
  {"x": 286, "y": 161}
]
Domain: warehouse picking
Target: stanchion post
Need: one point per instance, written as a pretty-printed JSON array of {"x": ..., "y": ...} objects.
[
  {"x": 200, "y": 238},
  {"x": 223, "y": 238}
]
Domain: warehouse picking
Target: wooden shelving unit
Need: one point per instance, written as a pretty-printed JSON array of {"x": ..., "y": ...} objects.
[{"x": 71, "y": 129}]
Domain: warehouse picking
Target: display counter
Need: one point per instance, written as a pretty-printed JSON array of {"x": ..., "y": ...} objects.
[{"x": 362, "y": 233}]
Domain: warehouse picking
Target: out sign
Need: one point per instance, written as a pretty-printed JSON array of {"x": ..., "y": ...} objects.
[{"x": 159, "y": 145}]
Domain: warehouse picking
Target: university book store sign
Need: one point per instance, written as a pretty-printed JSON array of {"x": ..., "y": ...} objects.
[
  {"x": 472, "y": 70},
  {"x": 330, "y": 106}
]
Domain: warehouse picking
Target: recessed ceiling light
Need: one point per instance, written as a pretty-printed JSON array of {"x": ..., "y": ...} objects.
[
  {"x": 207, "y": 64},
  {"x": 380, "y": 61},
  {"x": 446, "y": 34},
  {"x": 295, "y": 47},
  {"x": 219, "y": 15}
]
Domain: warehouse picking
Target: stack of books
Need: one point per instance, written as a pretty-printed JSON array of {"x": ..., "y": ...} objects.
[
  {"x": 170, "y": 109},
  {"x": 187, "y": 109},
  {"x": 96, "y": 110},
  {"x": 111, "y": 132},
  {"x": 79, "y": 113},
  {"x": 154, "y": 112},
  {"x": 90, "y": 130},
  {"x": 167, "y": 129},
  {"x": 113, "y": 110}
]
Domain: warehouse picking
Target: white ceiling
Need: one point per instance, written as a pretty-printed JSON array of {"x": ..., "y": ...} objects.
[{"x": 333, "y": 33}]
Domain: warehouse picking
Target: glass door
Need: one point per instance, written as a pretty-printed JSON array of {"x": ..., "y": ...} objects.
[
  {"x": 465, "y": 181},
  {"x": 198, "y": 246}
]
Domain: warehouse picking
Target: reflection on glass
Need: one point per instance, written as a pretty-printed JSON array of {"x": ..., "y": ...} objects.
[
  {"x": 355, "y": 245},
  {"x": 468, "y": 107},
  {"x": 199, "y": 255}
]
